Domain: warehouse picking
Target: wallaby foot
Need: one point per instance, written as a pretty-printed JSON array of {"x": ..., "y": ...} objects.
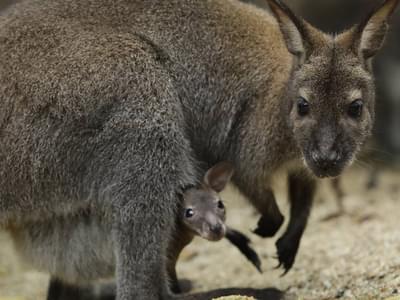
[
  {"x": 287, "y": 248},
  {"x": 185, "y": 285},
  {"x": 268, "y": 225},
  {"x": 181, "y": 286},
  {"x": 175, "y": 287}
]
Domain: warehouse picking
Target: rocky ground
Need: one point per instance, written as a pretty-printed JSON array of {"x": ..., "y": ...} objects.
[{"x": 355, "y": 256}]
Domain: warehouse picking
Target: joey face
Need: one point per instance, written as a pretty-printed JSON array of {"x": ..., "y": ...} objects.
[
  {"x": 203, "y": 209},
  {"x": 204, "y": 213},
  {"x": 331, "y": 98},
  {"x": 331, "y": 110}
]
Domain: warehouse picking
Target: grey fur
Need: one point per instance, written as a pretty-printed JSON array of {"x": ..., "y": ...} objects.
[{"x": 117, "y": 105}]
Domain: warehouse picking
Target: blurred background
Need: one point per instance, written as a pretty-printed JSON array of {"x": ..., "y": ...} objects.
[{"x": 352, "y": 244}]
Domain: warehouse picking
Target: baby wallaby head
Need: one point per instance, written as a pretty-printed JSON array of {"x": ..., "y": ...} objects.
[
  {"x": 203, "y": 209},
  {"x": 331, "y": 98}
]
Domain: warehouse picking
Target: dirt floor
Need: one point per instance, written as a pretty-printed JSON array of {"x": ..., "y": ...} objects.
[{"x": 355, "y": 256}]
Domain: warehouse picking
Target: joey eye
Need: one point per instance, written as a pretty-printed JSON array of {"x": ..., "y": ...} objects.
[
  {"x": 303, "y": 107},
  {"x": 220, "y": 204},
  {"x": 355, "y": 109},
  {"x": 189, "y": 213}
]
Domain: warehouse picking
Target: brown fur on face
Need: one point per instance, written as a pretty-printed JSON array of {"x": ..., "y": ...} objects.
[
  {"x": 332, "y": 76},
  {"x": 328, "y": 136}
]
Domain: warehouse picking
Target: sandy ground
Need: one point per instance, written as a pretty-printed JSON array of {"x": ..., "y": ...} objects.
[{"x": 356, "y": 256}]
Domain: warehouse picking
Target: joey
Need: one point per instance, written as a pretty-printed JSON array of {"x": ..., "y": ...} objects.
[{"x": 203, "y": 214}]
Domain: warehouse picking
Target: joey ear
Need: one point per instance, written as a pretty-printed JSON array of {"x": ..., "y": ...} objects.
[
  {"x": 368, "y": 37},
  {"x": 218, "y": 176},
  {"x": 295, "y": 31}
]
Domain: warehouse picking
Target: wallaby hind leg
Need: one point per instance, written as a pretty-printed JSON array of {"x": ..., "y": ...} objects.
[
  {"x": 141, "y": 231},
  {"x": 301, "y": 195},
  {"x": 145, "y": 208}
]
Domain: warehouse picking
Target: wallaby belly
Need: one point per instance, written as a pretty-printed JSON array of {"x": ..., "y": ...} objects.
[{"x": 74, "y": 249}]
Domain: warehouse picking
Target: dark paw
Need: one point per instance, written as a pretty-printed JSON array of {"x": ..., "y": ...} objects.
[
  {"x": 268, "y": 226},
  {"x": 185, "y": 285},
  {"x": 287, "y": 250},
  {"x": 175, "y": 288}
]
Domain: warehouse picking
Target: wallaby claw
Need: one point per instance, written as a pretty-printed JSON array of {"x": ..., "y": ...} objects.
[
  {"x": 287, "y": 250},
  {"x": 284, "y": 273}
]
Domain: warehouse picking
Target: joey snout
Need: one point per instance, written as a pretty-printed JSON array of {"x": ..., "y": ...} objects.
[{"x": 213, "y": 231}]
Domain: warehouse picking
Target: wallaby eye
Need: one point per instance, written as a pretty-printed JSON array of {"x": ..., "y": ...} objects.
[
  {"x": 303, "y": 107},
  {"x": 355, "y": 109},
  {"x": 220, "y": 204},
  {"x": 189, "y": 213}
]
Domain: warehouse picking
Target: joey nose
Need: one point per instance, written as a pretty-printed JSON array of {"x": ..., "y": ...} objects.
[{"x": 217, "y": 231}]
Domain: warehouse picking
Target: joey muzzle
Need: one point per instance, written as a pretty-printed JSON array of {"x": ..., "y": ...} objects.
[{"x": 213, "y": 231}]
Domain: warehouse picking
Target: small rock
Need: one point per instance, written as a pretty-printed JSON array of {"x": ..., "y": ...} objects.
[
  {"x": 327, "y": 284},
  {"x": 340, "y": 293}
]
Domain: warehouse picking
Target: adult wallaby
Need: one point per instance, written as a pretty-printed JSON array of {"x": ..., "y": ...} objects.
[{"x": 115, "y": 105}]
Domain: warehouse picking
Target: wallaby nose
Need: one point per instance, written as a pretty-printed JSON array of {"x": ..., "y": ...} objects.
[{"x": 325, "y": 159}]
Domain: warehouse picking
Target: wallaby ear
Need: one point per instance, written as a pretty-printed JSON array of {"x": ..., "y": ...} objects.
[
  {"x": 369, "y": 35},
  {"x": 218, "y": 176},
  {"x": 294, "y": 30}
]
